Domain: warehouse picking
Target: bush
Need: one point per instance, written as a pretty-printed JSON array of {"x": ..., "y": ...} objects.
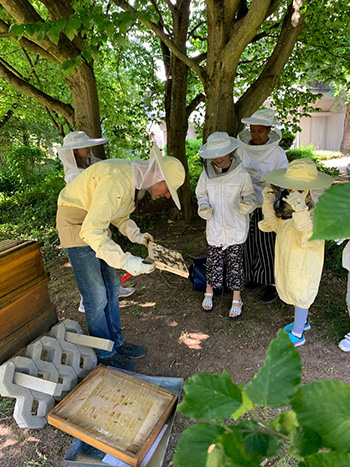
[
  {"x": 195, "y": 165},
  {"x": 287, "y": 139},
  {"x": 31, "y": 214},
  {"x": 308, "y": 152},
  {"x": 21, "y": 168}
]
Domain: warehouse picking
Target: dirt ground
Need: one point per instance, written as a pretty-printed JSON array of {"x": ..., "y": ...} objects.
[{"x": 165, "y": 315}]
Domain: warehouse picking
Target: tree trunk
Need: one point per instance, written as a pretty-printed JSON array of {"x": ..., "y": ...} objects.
[
  {"x": 175, "y": 103},
  {"x": 345, "y": 143}
]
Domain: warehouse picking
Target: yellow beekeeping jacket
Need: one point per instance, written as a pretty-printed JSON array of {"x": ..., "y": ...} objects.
[
  {"x": 101, "y": 195},
  {"x": 298, "y": 261}
]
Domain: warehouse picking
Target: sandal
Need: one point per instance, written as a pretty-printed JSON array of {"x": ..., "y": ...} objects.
[
  {"x": 208, "y": 302},
  {"x": 236, "y": 310}
]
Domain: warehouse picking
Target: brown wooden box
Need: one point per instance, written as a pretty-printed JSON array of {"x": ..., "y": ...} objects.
[
  {"x": 114, "y": 412},
  {"x": 25, "y": 308}
]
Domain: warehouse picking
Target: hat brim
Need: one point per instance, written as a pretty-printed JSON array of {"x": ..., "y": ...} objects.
[
  {"x": 85, "y": 144},
  {"x": 206, "y": 153},
  {"x": 160, "y": 159},
  {"x": 259, "y": 121},
  {"x": 278, "y": 177}
]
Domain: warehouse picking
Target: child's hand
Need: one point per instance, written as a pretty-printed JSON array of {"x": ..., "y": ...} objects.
[
  {"x": 269, "y": 193},
  {"x": 205, "y": 211},
  {"x": 245, "y": 207},
  {"x": 297, "y": 200}
]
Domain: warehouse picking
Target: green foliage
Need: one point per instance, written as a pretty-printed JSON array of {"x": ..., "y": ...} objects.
[
  {"x": 195, "y": 165},
  {"x": 331, "y": 219},
  {"x": 308, "y": 152},
  {"x": 287, "y": 139},
  {"x": 21, "y": 168},
  {"x": 31, "y": 214},
  {"x": 319, "y": 418}
]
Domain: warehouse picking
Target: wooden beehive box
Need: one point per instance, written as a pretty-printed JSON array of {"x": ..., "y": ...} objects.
[
  {"x": 25, "y": 308},
  {"x": 114, "y": 412}
]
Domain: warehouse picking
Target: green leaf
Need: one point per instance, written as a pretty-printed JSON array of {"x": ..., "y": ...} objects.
[
  {"x": 54, "y": 35},
  {"x": 210, "y": 396},
  {"x": 246, "y": 406},
  {"x": 304, "y": 442},
  {"x": 285, "y": 422},
  {"x": 327, "y": 459},
  {"x": 192, "y": 448},
  {"x": 40, "y": 36},
  {"x": 30, "y": 29},
  {"x": 331, "y": 218},
  {"x": 16, "y": 29},
  {"x": 324, "y": 407},
  {"x": 276, "y": 382},
  {"x": 245, "y": 444}
]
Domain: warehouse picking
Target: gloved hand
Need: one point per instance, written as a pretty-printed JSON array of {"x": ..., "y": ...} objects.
[
  {"x": 143, "y": 238},
  {"x": 135, "y": 266},
  {"x": 297, "y": 200},
  {"x": 245, "y": 207},
  {"x": 257, "y": 177},
  {"x": 269, "y": 193},
  {"x": 205, "y": 211}
]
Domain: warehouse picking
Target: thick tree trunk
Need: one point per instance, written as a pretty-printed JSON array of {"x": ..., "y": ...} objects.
[
  {"x": 175, "y": 104},
  {"x": 345, "y": 143}
]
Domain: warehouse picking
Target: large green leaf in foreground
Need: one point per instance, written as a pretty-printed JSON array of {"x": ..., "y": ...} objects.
[
  {"x": 324, "y": 408},
  {"x": 210, "y": 396},
  {"x": 192, "y": 449},
  {"x": 332, "y": 213},
  {"x": 276, "y": 382},
  {"x": 327, "y": 459}
]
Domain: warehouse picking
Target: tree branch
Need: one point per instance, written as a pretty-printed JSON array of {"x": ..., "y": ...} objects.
[
  {"x": 194, "y": 104},
  {"x": 164, "y": 38},
  {"x": 26, "y": 88},
  {"x": 255, "y": 96}
]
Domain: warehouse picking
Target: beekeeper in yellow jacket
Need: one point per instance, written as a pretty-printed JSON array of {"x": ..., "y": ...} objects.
[
  {"x": 298, "y": 261},
  {"x": 104, "y": 194}
]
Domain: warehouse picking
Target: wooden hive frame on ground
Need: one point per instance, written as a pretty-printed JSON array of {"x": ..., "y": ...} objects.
[
  {"x": 114, "y": 412},
  {"x": 167, "y": 260}
]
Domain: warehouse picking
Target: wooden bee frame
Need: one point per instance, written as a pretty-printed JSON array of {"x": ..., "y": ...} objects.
[
  {"x": 114, "y": 412},
  {"x": 167, "y": 260}
]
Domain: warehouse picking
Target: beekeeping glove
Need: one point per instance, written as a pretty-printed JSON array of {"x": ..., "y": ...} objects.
[
  {"x": 269, "y": 194},
  {"x": 245, "y": 207},
  {"x": 205, "y": 211},
  {"x": 297, "y": 200},
  {"x": 143, "y": 238},
  {"x": 257, "y": 177},
  {"x": 136, "y": 266}
]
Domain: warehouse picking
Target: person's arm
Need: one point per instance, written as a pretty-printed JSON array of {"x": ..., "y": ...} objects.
[
  {"x": 130, "y": 229},
  {"x": 205, "y": 211},
  {"x": 270, "y": 221},
  {"x": 109, "y": 196},
  {"x": 248, "y": 203}
]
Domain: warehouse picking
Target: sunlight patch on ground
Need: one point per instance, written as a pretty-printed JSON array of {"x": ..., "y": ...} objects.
[
  {"x": 173, "y": 324},
  {"x": 6, "y": 439},
  {"x": 193, "y": 340},
  {"x": 130, "y": 303}
]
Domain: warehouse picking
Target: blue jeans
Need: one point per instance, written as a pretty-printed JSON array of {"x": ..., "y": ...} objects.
[{"x": 99, "y": 285}]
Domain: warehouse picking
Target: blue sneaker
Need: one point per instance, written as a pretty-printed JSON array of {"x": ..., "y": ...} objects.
[
  {"x": 131, "y": 351},
  {"x": 296, "y": 341},
  {"x": 289, "y": 327}
]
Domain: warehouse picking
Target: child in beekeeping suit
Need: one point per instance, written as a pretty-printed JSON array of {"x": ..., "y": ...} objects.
[
  {"x": 76, "y": 155},
  {"x": 259, "y": 150},
  {"x": 298, "y": 261},
  {"x": 225, "y": 199}
]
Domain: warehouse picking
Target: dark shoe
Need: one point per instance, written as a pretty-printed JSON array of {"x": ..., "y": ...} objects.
[
  {"x": 251, "y": 286},
  {"x": 131, "y": 350},
  {"x": 118, "y": 361},
  {"x": 269, "y": 295}
]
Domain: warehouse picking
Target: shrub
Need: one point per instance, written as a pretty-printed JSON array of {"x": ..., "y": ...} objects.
[
  {"x": 21, "y": 168},
  {"x": 247, "y": 424},
  {"x": 287, "y": 139},
  {"x": 308, "y": 152},
  {"x": 195, "y": 165}
]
